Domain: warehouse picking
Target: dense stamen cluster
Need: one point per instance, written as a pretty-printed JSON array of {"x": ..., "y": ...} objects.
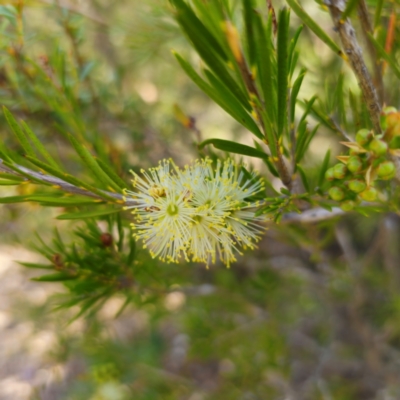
[{"x": 197, "y": 213}]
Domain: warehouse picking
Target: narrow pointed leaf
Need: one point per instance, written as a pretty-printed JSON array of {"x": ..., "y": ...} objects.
[
  {"x": 39, "y": 146},
  {"x": 264, "y": 65},
  {"x": 91, "y": 163},
  {"x": 324, "y": 167},
  {"x": 219, "y": 69},
  {"x": 9, "y": 182},
  {"x": 300, "y": 12},
  {"x": 350, "y": 6},
  {"x": 248, "y": 14},
  {"x": 70, "y": 179},
  {"x": 11, "y": 177},
  {"x": 12, "y": 199},
  {"x": 18, "y": 133},
  {"x": 186, "y": 13},
  {"x": 233, "y": 147},
  {"x": 292, "y": 49},
  {"x": 60, "y": 276},
  {"x": 240, "y": 114},
  {"x": 388, "y": 58},
  {"x": 267, "y": 161},
  {"x": 378, "y": 12},
  {"x": 89, "y": 214},
  {"x": 111, "y": 173},
  {"x": 63, "y": 201},
  {"x": 282, "y": 69},
  {"x": 234, "y": 108},
  {"x": 304, "y": 179},
  {"x": 295, "y": 92},
  {"x": 35, "y": 265}
]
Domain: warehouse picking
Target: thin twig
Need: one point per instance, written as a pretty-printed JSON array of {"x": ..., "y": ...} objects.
[
  {"x": 65, "y": 186},
  {"x": 354, "y": 53},
  {"x": 345, "y": 135},
  {"x": 367, "y": 29},
  {"x": 308, "y": 216},
  {"x": 312, "y": 215}
]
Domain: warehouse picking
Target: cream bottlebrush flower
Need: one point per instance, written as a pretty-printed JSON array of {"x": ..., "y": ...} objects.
[
  {"x": 220, "y": 197},
  {"x": 196, "y": 212}
]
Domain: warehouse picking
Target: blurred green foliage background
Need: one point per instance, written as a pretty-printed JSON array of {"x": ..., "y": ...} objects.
[{"x": 313, "y": 313}]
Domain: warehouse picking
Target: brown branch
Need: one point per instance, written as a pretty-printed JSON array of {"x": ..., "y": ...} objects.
[
  {"x": 65, "y": 186},
  {"x": 367, "y": 30},
  {"x": 354, "y": 53},
  {"x": 311, "y": 216}
]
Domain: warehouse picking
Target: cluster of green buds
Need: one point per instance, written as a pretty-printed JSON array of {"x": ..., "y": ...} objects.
[{"x": 354, "y": 178}]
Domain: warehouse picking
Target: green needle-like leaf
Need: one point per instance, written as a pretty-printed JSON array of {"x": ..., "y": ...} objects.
[
  {"x": 304, "y": 179},
  {"x": 232, "y": 147},
  {"x": 34, "y": 265},
  {"x": 296, "y": 7},
  {"x": 111, "y": 173},
  {"x": 92, "y": 164},
  {"x": 89, "y": 214},
  {"x": 264, "y": 65},
  {"x": 57, "y": 277},
  {"x": 389, "y": 59},
  {"x": 18, "y": 133},
  {"x": 324, "y": 167},
  {"x": 185, "y": 13},
  {"x": 248, "y": 15},
  {"x": 282, "y": 69},
  {"x": 39, "y": 146},
  {"x": 350, "y": 6},
  {"x": 378, "y": 12},
  {"x": 221, "y": 96},
  {"x": 295, "y": 92},
  {"x": 63, "y": 201},
  {"x": 68, "y": 178}
]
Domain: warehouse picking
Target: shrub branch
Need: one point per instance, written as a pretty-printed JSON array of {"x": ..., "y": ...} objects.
[{"x": 354, "y": 53}]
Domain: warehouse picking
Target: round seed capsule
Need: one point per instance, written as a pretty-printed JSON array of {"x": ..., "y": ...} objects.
[
  {"x": 357, "y": 185},
  {"x": 386, "y": 170},
  {"x": 339, "y": 171},
  {"x": 363, "y": 136},
  {"x": 378, "y": 147},
  {"x": 354, "y": 164},
  {"x": 348, "y": 205},
  {"x": 389, "y": 110},
  {"x": 336, "y": 193},
  {"x": 369, "y": 194},
  {"x": 329, "y": 176}
]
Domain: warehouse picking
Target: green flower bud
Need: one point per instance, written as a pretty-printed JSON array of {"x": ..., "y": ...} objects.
[
  {"x": 369, "y": 194},
  {"x": 392, "y": 125},
  {"x": 363, "y": 136},
  {"x": 386, "y": 170},
  {"x": 389, "y": 110},
  {"x": 354, "y": 164},
  {"x": 357, "y": 185},
  {"x": 348, "y": 205},
  {"x": 336, "y": 193},
  {"x": 378, "y": 147},
  {"x": 329, "y": 176},
  {"x": 339, "y": 171}
]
